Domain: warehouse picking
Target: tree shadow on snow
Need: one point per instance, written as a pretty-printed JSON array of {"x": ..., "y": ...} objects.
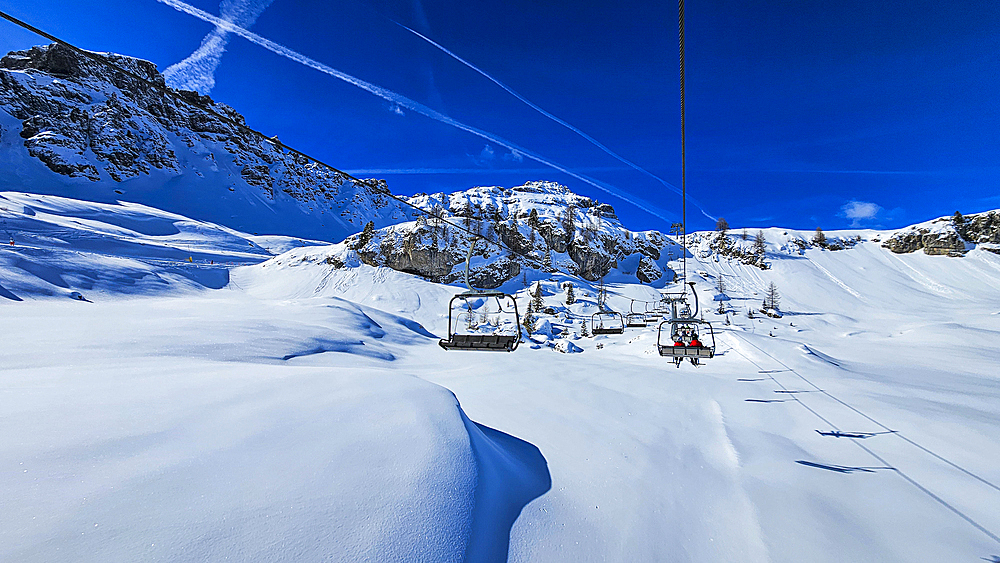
[{"x": 512, "y": 473}]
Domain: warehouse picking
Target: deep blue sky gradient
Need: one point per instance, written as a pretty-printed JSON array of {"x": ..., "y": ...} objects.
[{"x": 795, "y": 108}]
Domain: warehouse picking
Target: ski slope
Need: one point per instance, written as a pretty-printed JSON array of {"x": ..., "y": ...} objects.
[{"x": 291, "y": 411}]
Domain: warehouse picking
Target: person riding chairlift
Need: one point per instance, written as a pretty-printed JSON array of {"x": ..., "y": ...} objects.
[
  {"x": 678, "y": 341},
  {"x": 695, "y": 341}
]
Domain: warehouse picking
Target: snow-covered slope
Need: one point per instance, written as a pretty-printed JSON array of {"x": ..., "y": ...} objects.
[
  {"x": 60, "y": 246},
  {"x": 306, "y": 413},
  {"x": 70, "y": 126}
]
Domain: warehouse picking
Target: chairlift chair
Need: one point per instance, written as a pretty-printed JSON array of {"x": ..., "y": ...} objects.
[
  {"x": 635, "y": 320},
  {"x": 652, "y": 312},
  {"x": 682, "y": 330},
  {"x": 607, "y": 322},
  {"x": 471, "y": 300},
  {"x": 676, "y": 345}
]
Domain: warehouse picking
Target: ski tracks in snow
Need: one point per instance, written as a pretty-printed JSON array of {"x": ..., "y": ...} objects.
[
  {"x": 837, "y": 281},
  {"x": 750, "y": 546}
]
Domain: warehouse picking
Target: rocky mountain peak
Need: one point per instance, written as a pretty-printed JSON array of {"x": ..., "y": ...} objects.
[{"x": 72, "y": 126}]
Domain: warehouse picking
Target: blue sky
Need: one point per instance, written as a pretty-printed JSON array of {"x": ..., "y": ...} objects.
[{"x": 800, "y": 114}]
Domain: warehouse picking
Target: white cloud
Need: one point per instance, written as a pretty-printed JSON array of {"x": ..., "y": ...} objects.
[
  {"x": 514, "y": 156},
  {"x": 860, "y": 211},
  {"x": 197, "y": 71}
]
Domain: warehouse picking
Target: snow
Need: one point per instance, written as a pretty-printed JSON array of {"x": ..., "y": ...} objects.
[{"x": 292, "y": 410}]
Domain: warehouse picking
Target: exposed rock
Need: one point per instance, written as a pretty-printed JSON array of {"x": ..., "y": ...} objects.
[{"x": 936, "y": 238}]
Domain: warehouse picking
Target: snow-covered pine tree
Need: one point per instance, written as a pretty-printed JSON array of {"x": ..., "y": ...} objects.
[
  {"x": 584, "y": 331},
  {"x": 536, "y": 297},
  {"x": 744, "y": 235},
  {"x": 570, "y": 294}
]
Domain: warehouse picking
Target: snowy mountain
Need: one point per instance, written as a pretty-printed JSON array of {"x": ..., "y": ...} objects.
[
  {"x": 70, "y": 126},
  {"x": 174, "y": 389}
]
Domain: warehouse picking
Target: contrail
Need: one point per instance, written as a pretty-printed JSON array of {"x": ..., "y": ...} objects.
[
  {"x": 403, "y": 101},
  {"x": 535, "y": 107},
  {"x": 197, "y": 71}
]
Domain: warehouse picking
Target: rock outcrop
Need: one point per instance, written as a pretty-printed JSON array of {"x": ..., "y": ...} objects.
[
  {"x": 544, "y": 225},
  {"x": 949, "y": 236}
]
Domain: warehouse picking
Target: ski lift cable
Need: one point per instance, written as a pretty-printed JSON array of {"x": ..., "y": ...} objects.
[
  {"x": 680, "y": 35},
  {"x": 246, "y": 128},
  {"x": 899, "y": 472}
]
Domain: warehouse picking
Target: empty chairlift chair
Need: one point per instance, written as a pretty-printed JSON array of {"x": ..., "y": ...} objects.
[
  {"x": 652, "y": 312},
  {"x": 635, "y": 320},
  {"x": 607, "y": 322},
  {"x": 474, "y": 325}
]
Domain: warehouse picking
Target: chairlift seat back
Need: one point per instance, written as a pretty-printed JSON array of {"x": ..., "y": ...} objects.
[{"x": 481, "y": 342}]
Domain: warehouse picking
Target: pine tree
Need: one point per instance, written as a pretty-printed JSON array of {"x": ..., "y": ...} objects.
[
  {"x": 570, "y": 295},
  {"x": 722, "y": 225},
  {"x": 536, "y": 297},
  {"x": 819, "y": 239},
  {"x": 759, "y": 245},
  {"x": 547, "y": 260},
  {"x": 366, "y": 235},
  {"x": 528, "y": 322},
  {"x": 533, "y": 221},
  {"x": 773, "y": 299},
  {"x": 569, "y": 222},
  {"x": 471, "y": 325},
  {"x": 744, "y": 235},
  {"x": 584, "y": 331},
  {"x": 959, "y": 221}
]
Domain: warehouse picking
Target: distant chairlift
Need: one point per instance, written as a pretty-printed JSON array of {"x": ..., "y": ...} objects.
[
  {"x": 684, "y": 336},
  {"x": 607, "y": 322},
  {"x": 466, "y": 331},
  {"x": 636, "y": 319},
  {"x": 652, "y": 312}
]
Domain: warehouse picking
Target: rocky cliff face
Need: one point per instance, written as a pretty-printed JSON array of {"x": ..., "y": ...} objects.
[
  {"x": 949, "y": 236},
  {"x": 102, "y": 134},
  {"x": 546, "y": 227}
]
